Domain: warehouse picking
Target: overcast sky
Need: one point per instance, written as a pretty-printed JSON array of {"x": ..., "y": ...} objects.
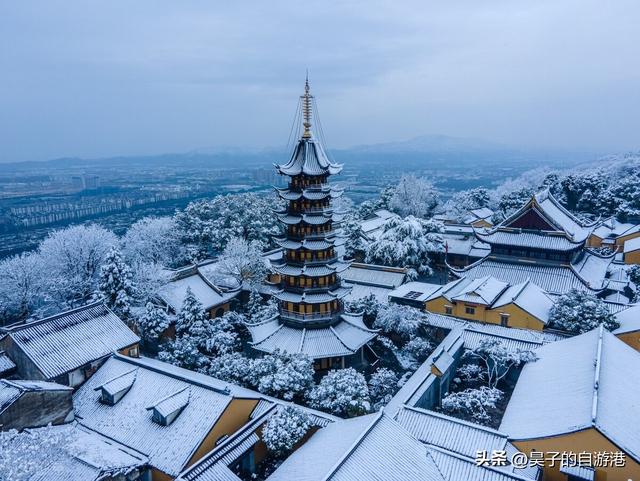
[{"x": 94, "y": 79}]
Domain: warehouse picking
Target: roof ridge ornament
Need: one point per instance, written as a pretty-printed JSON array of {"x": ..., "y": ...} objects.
[{"x": 306, "y": 109}]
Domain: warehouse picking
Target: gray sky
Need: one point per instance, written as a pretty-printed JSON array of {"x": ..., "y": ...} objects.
[{"x": 93, "y": 79}]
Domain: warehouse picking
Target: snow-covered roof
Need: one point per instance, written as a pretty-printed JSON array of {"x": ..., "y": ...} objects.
[
  {"x": 309, "y": 158},
  {"x": 629, "y": 320},
  {"x": 528, "y": 297},
  {"x": 484, "y": 290},
  {"x": 215, "y": 465},
  {"x": 342, "y": 339},
  {"x": 372, "y": 447},
  {"x": 483, "y": 213},
  {"x": 611, "y": 228},
  {"x": 554, "y": 241},
  {"x": 373, "y": 226},
  {"x": 129, "y": 421},
  {"x": 10, "y": 391},
  {"x": 632, "y": 245},
  {"x": 576, "y": 384},
  {"x": 457, "y": 436},
  {"x": 455, "y": 467},
  {"x": 465, "y": 245},
  {"x": 359, "y": 291},
  {"x": 375, "y": 275},
  {"x": 588, "y": 274},
  {"x": 6, "y": 364},
  {"x": 67, "y": 341},
  {"x": 548, "y": 207},
  {"x": 78, "y": 454},
  {"x": 414, "y": 291},
  {"x": 174, "y": 292}
]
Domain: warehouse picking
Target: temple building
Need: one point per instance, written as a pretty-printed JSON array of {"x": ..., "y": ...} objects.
[
  {"x": 546, "y": 244},
  {"x": 310, "y": 292}
]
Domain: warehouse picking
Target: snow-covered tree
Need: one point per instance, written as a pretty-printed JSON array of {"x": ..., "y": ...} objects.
[
  {"x": 24, "y": 455},
  {"x": 368, "y": 305},
  {"x": 284, "y": 429},
  {"x": 383, "y": 384},
  {"x": 400, "y": 320},
  {"x": 497, "y": 359},
  {"x": 417, "y": 350},
  {"x": 21, "y": 283},
  {"x": 414, "y": 196},
  {"x": 115, "y": 283},
  {"x": 579, "y": 311},
  {"x": 153, "y": 322},
  {"x": 147, "y": 279},
  {"x": 633, "y": 272},
  {"x": 206, "y": 226},
  {"x": 243, "y": 261},
  {"x": 407, "y": 243},
  {"x": 72, "y": 259},
  {"x": 471, "y": 373},
  {"x": 354, "y": 244},
  {"x": 218, "y": 336},
  {"x": 183, "y": 352},
  {"x": 284, "y": 375},
  {"x": 342, "y": 392},
  {"x": 458, "y": 207},
  {"x": 191, "y": 318},
  {"x": 477, "y": 405},
  {"x": 368, "y": 207},
  {"x": 153, "y": 240},
  {"x": 232, "y": 367}
]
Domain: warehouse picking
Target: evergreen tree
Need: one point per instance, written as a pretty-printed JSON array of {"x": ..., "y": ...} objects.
[
  {"x": 153, "y": 322},
  {"x": 115, "y": 283},
  {"x": 342, "y": 392},
  {"x": 580, "y": 311},
  {"x": 191, "y": 318},
  {"x": 284, "y": 429}
]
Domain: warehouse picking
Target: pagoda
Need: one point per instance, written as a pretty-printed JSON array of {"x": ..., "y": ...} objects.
[{"x": 311, "y": 315}]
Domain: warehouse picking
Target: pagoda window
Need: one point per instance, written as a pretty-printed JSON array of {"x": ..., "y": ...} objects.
[
  {"x": 308, "y": 308},
  {"x": 322, "y": 281}
]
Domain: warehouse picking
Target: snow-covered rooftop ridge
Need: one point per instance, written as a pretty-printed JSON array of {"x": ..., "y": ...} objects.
[
  {"x": 221, "y": 453},
  {"x": 78, "y": 453},
  {"x": 69, "y": 340},
  {"x": 207, "y": 293},
  {"x": 629, "y": 320},
  {"x": 375, "y": 275},
  {"x": 578, "y": 383},
  {"x": 359, "y": 448},
  {"x": 548, "y": 207}
]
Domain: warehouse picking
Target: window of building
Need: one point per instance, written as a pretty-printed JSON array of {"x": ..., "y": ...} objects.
[
  {"x": 504, "y": 319},
  {"x": 448, "y": 310},
  {"x": 470, "y": 310}
]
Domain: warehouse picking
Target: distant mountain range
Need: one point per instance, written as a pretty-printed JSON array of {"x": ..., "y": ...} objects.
[{"x": 423, "y": 151}]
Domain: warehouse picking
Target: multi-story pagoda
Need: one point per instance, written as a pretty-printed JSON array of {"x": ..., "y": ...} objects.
[{"x": 311, "y": 319}]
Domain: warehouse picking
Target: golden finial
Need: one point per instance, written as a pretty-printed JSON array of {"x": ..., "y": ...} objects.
[{"x": 306, "y": 109}]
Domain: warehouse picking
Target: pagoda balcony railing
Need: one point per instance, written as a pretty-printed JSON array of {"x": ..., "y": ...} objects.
[
  {"x": 311, "y": 210},
  {"x": 311, "y": 290},
  {"x": 315, "y": 235},
  {"x": 312, "y": 262},
  {"x": 300, "y": 188},
  {"x": 314, "y": 316}
]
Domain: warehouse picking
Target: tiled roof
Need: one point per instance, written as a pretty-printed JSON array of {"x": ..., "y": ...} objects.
[
  {"x": 67, "y": 341},
  {"x": 6, "y": 364},
  {"x": 130, "y": 422},
  {"x": 375, "y": 275},
  {"x": 174, "y": 292},
  {"x": 525, "y": 238},
  {"x": 309, "y": 158},
  {"x": 576, "y": 384},
  {"x": 553, "y": 279},
  {"x": 343, "y": 339},
  {"x": 372, "y": 447}
]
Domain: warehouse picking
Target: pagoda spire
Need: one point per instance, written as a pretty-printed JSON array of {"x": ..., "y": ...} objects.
[{"x": 306, "y": 109}]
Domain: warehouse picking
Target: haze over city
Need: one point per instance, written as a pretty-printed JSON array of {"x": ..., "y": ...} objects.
[{"x": 99, "y": 79}]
